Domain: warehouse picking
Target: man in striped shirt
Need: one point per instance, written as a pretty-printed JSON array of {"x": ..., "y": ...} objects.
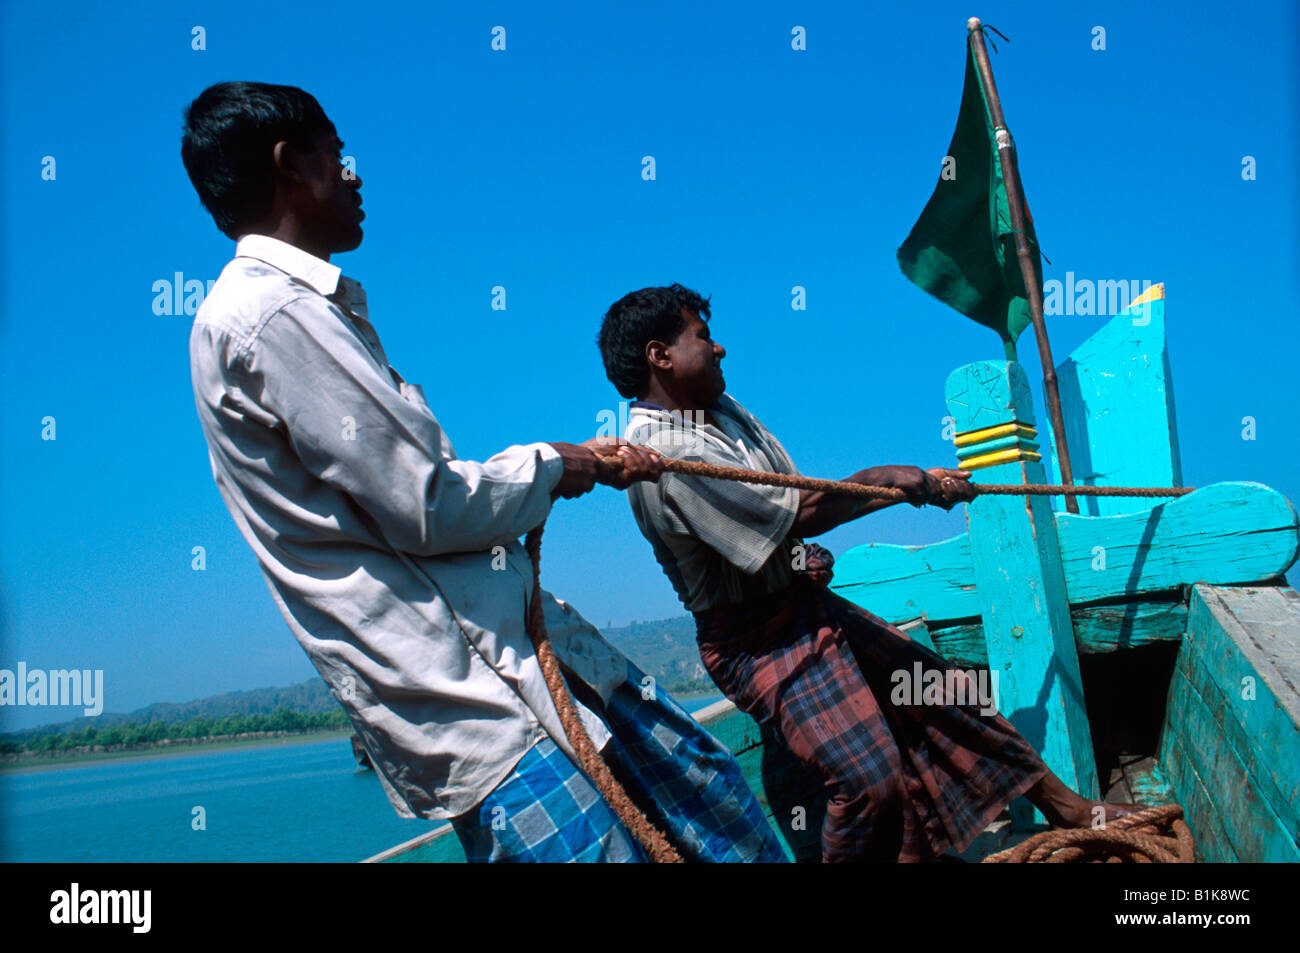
[{"x": 906, "y": 782}]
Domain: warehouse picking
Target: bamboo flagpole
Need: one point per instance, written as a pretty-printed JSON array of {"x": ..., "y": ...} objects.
[{"x": 1033, "y": 288}]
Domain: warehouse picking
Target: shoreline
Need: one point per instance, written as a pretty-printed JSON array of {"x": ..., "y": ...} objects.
[
  {"x": 688, "y": 700},
  {"x": 170, "y": 751}
]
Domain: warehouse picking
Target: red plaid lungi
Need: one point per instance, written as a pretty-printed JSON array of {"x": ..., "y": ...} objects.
[{"x": 905, "y": 782}]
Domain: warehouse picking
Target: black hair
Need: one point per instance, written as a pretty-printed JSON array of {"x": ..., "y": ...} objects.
[
  {"x": 636, "y": 319},
  {"x": 230, "y": 132}
]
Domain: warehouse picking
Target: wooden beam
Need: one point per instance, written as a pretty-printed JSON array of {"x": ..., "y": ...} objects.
[
  {"x": 1020, "y": 589},
  {"x": 1223, "y": 534}
]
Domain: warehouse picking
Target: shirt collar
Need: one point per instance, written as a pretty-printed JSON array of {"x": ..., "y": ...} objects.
[
  {"x": 727, "y": 413},
  {"x": 646, "y": 412},
  {"x": 316, "y": 272},
  {"x": 327, "y": 279}
]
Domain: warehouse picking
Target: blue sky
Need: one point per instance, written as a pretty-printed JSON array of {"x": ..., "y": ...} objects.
[{"x": 522, "y": 169}]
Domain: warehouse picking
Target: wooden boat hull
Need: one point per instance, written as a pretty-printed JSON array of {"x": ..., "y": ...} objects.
[
  {"x": 1230, "y": 745},
  {"x": 1228, "y": 749}
]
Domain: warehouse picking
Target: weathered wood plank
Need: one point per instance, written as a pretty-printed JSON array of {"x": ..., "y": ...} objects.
[
  {"x": 902, "y": 582},
  {"x": 1212, "y": 843},
  {"x": 1231, "y": 796},
  {"x": 1269, "y": 617},
  {"x": 1020, "y": 588},
  {"x": 1098, "y": 630},
  {"x": 1223, "y": 534},
  {"x": 729, "y": 725},
  {"x": 1116, "y": 789},
  {"x": 1117, "y": 401},
  {"x": 1259, "y": 818},
  {"x": 1252, "y": 665},
  {"x": 1146, "y": 782},
  {"x": 1231, "y": 741}
]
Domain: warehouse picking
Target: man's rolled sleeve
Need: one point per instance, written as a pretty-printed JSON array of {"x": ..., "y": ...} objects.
[
  {"x": 743, "y": 525},
  {"x": 742, "y": 522},
  {"x": 352, "y": 428}
]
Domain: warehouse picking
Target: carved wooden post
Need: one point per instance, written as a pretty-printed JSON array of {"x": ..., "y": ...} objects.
[{"x": 1018, "y": 575}]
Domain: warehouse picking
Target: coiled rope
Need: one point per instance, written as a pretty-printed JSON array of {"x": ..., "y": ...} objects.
[
  {"x": 1135, "y": 837},
  {"x": 654, "y": 842}
]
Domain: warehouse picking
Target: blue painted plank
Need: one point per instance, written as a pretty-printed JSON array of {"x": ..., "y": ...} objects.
[
  {"x": 1203, "y": 820},
  {"x": 1231, "y": 742},
  {"x": 902, "y": 582},
  {"x": 1217, "y": 781},
  {"x": 1020, "y": 588},
  {"x": 1222, "y": 534},
  {"x": 1117, "y": 403},
  {"x": 1248, "y": 641}
]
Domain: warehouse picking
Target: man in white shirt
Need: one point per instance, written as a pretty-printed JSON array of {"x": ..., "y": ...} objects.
[{"x": 396, "y": 565}]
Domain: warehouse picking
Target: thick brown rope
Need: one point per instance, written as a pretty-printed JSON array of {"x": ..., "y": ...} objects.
[
  {"x": 650, "y": 838},
  {"x": 1135, "y": 837},
  {"x": 654, "y": 842},
  {"x": 696, "y": 468}
]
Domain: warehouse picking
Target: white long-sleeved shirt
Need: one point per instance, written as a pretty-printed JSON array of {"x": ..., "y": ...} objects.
[{"x": 396, "y": 565}]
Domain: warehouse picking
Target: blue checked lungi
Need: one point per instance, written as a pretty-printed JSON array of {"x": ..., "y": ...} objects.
[{"x": 685, "y": 780}]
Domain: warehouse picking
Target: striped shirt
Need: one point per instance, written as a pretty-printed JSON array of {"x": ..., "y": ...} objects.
[{"x": 719, "y": 542}]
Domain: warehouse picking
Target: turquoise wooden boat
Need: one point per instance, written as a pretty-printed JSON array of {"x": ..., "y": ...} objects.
[{"x": 1148, "y": 648}]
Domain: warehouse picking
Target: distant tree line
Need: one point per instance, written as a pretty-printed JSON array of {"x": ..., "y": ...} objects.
[{"x": 133, "y": 734}]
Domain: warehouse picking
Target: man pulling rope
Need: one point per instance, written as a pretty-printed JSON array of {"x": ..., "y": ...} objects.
[
  {"x": 395, "y": 563},
  {"x": 1134, "y": 835},
  {"x": 905, "y": 783}
]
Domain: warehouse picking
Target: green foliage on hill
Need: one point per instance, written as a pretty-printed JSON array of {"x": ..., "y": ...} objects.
[
  {"x": 132, "y": 734},
  {"x": 666, "y": 649},
  {"x": 306, "y": 697}
]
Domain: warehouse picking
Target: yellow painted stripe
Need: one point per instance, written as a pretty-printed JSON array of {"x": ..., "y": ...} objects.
[
  {"x": 988, "y": 433},
  {"x": 1002, "y": 456},
  {"x": 1154, "y": 293}
]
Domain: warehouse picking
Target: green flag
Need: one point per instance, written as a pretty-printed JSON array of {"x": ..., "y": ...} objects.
[{"x": 963, "y": 249}]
